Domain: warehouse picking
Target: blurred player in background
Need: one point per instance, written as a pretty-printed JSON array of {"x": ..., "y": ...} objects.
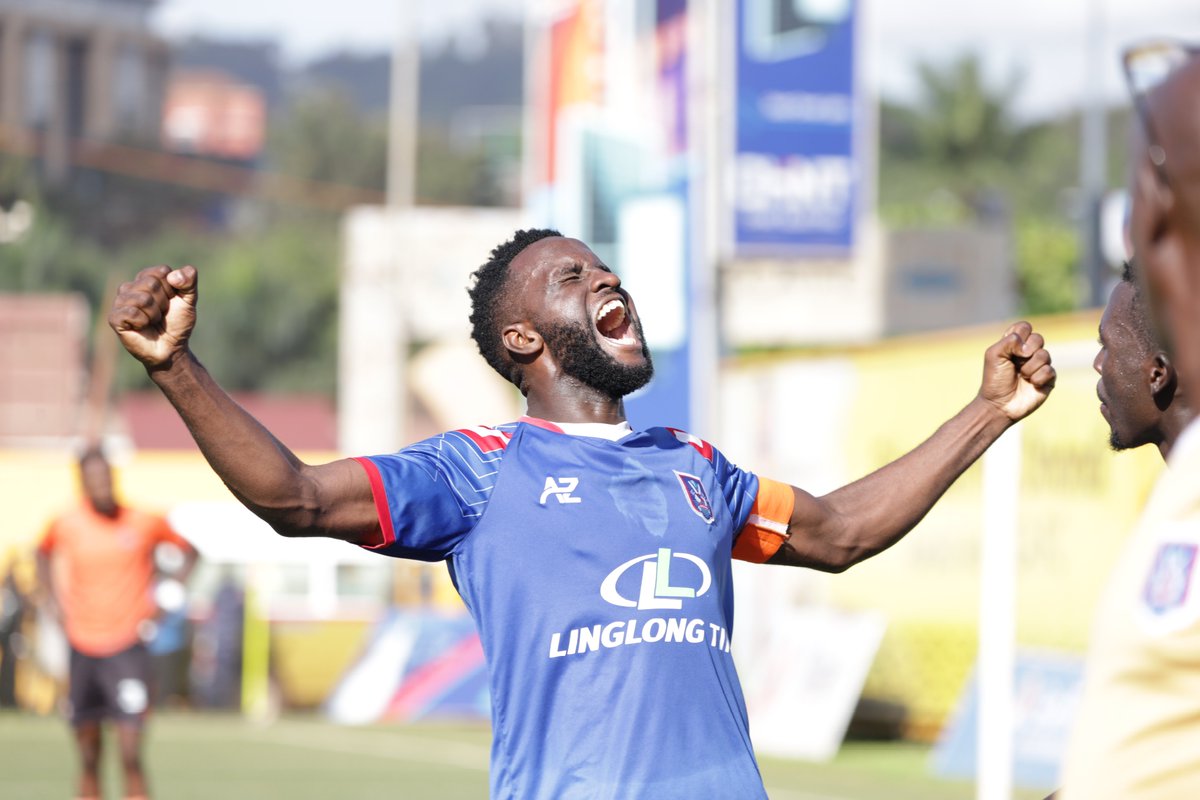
[
  {"x": 595, "y": 559},
  {"x": 1137, "y": 732},
  {"x": 96, "y": 565}
]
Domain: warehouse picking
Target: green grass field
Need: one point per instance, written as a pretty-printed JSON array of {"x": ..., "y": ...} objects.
[{"x": 221, "y": 757}]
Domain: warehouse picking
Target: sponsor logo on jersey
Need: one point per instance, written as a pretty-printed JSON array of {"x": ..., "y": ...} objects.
[
  {"x": 560, "y": 489},
  {"x": 656, "y": 589},
  {"x": 624, "y": 633},
  {"x": 666, "y": 580},
  {"x": 697, "y": 497}
]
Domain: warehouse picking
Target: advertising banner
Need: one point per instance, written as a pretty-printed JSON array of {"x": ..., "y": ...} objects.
[
  {"x": 655, "y": 251},
  {"x": 797, "y": 165},
  {"x": 613, "y": 167}
]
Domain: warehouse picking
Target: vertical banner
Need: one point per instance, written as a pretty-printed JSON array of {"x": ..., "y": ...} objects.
[
  {"x": 797, "y": 162},
  {"x": 575, "y": 74},
  {"x": 613, "y": 165},
  {"x": 656, "y": 229}
]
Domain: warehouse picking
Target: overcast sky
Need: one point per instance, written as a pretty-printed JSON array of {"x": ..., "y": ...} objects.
[{"x": 1045, "y": 40}]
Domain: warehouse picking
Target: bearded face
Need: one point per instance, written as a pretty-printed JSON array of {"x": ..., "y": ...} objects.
[{"x": 576, "y": 350}]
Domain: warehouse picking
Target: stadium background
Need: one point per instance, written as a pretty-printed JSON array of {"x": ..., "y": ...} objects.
[{"x": 810, "y": 354}]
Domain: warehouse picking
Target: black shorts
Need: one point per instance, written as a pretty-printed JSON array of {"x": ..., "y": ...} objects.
[{"x": 115, "y": 687}]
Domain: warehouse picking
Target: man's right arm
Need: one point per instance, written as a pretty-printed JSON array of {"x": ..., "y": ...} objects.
[{"x": 153, "y": 315}]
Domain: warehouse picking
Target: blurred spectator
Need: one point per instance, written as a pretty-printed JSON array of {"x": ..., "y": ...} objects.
[
  {"x": 216, "y": 673},
  {"x": 13, "y": 602},
  {"x": 170, "y": 646}
]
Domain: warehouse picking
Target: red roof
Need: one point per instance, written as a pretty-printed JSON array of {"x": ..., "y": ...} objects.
[{"x": 302, "y": 422}]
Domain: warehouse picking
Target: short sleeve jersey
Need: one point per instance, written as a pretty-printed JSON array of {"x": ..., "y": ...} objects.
[
  {"x": 598, "y": 574},
  {"x": 106, "y": 574}
]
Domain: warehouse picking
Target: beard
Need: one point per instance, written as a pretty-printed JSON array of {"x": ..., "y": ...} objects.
[{"x": 581, "y": 357}]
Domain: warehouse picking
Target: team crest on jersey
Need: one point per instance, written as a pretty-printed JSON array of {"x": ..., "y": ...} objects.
[
  {"x": 1168, "y": 596},
  {"x": 1170, "y": 579},
  {"x": 697, "y": 496}
]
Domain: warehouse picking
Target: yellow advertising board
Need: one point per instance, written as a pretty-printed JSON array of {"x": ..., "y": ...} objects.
[{"x": 841, "y": 414}]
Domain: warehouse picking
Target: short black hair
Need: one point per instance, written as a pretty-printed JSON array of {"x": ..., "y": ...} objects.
[
  {"x": 487, "y": 295},
  {"x": 91, "y": 451},
  {"x": 1141, "y": 313}
]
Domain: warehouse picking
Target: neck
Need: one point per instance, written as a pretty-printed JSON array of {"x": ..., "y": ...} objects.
[
  {"x": 1173, "y": 425},
  {"x": 105, "y": 510},
  {"x": 575, "y": 406}
]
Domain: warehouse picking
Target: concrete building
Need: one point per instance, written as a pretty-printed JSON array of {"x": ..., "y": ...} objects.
[
  {"x": 74, "y": 70},
  {"x": 896, "y": 282}
]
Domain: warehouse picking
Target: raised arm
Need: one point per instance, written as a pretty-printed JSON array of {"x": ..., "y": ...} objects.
[
  {"x": 837, "y": 530},
  {"x": 153, "y": 315}
]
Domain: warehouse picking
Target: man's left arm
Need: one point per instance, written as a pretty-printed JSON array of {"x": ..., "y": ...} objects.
[
  {"x": 840, "y": 529},
  {"x": 165, "y": 534}
]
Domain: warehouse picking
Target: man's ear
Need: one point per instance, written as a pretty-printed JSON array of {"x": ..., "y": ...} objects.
[
  {"x": 521, "y": 339},
  {"x": 1163, "y": 383}
]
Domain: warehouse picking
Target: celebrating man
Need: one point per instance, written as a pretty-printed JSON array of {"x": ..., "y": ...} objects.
[{"x": 595, "y": 559}]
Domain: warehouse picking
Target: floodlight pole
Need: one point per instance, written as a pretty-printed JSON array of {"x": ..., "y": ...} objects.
[
  {"x": 403, "y": 105},
  {"x": 1093, "y": 156},
  {"x": 711, "y": 44}
]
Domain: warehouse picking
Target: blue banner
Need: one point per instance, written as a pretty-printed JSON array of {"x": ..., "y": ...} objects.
[
  {"x": 656, "y": 239},
  {"x": 797, "y": 165},
  {"x": 1047, "y": 687}
]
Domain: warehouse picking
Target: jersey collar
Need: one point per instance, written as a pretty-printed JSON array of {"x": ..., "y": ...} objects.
[{"x": 597, "y": 430}]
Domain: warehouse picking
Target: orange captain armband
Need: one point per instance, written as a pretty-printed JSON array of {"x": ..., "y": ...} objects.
[{"x": 766, "y": 528}]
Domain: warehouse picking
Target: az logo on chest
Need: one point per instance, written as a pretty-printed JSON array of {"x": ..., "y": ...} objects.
[{"x": 561, "y": 490}]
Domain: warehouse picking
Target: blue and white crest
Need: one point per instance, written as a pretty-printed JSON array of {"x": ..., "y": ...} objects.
[
  {"x": 697, "y": 497},
  {"x": 1170, "y": 577}
]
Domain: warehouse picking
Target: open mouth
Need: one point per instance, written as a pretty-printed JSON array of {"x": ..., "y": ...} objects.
[{"x": 612, "y": 320}]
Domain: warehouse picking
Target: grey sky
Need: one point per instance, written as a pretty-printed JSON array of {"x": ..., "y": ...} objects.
[{"x": 1042, "y": 39}]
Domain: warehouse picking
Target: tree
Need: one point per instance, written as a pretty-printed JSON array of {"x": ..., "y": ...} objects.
[
  {"x": 269, "y": 300},
  {"x": 323, "y": 137},
  {"x": 959, "y": 154}
]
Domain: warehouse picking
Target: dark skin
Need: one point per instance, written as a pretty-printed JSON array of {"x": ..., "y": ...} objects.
[
  {"x": 96, "y": 483},
  {"x": 1164, "y": 222},
  {"x": 1138, "y": 388},
  {"x": 552, "y": 280}
]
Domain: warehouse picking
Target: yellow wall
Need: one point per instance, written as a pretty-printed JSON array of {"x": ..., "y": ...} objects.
[{"x": 38, "y": 484}]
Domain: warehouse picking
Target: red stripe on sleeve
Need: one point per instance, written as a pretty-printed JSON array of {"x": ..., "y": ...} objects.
[
  {"x": 541, "y": 423},
  {"x": 702, "y": 447},
  {"x": 486, "y": 442},
  {"x": 379, "y": 494}
]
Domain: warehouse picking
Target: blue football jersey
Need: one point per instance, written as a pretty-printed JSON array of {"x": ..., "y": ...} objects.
[{"x": 598, "y": 574}]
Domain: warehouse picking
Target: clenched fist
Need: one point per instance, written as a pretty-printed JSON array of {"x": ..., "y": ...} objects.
[
  {"x": 1017, "y": 373},
  {"x": 153, "y": 314}
]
